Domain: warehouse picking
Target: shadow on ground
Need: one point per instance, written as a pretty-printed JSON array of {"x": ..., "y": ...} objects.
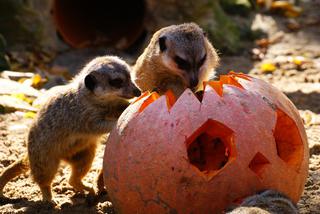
[{"x": 306, "y": 101}]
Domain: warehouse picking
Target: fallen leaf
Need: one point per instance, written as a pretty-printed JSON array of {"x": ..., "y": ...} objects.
[
  {"x": 14, "y": 75},
  {"x": 22, "y": 80},
  {"x": 283, "y": 5},
  {"x": 37, "y": 81},
  {"x": 13, "y": 87},
  {"x": 292, "y": 13},
  {"x": 263, "y": 42},
  {"x": 268, "y": 67},
  {"x": 23, "y": 97},
  {"x": 29, "y": 114},
  {"x": 288, "y": 9},
  {"x": 309, "y": 118},
  {"x": 11, "y": 104},
  {"x": 299, "y": 60}
]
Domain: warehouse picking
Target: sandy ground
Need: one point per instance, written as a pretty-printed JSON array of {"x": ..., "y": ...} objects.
[{"x": 301, "y": 83}]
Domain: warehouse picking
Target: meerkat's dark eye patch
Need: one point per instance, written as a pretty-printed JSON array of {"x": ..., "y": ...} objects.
[
  {"x": 90, "y": 82},
  {"x": 182, "y": 64},
  {"x": 162, "y": 43},
  {"x": 116, "y": 83},
  {"x": 202, "y": 60}
]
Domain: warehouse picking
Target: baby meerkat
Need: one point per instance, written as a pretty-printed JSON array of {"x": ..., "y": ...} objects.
[
  {"x": 177, "y": 57},
  {"x": 71, "y": 123},
  {"x": 266, "y": 202}
]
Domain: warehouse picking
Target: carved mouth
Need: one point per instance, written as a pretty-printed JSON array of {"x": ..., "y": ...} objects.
[{"x": 230, "y": 79}]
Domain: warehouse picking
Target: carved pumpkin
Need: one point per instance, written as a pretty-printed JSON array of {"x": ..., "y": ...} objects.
[{"x": 202, "y": 154}]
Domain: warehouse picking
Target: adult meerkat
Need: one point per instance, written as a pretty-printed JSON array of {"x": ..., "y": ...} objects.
[
  {"x": 177, "y": 57},
  {"x": 180, "y": 57},
  {"x": 266, "y": 202},
  {"x": 71, "y": 122}
]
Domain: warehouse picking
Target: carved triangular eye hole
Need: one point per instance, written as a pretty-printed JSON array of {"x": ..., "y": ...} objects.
[{"x": 162, "y": 43}]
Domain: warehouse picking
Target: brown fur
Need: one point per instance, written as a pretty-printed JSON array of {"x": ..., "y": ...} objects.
[
  {"x": 71, "y": 123},
  {"x": 157, "y": 70},
  {"x": 267, "y": 202}
]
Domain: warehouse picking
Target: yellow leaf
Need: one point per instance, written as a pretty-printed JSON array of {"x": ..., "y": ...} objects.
[
  {"x": 19, "y": 96},
  {"x": 307, "y": 118},
  {"x": 29, "y": 114},
  {"x": 36, "y": 79},
  {"x": 310, "y": 118},
  {"x": 295, "y": 11},
  {"x": 22, "y": 97},
  {"x": 287, "y": 8},
  {"x": 292, "y": 14},
  {"x": 268, "y": 67},
  {"x": 299, "y": 60},
  {"x": 21, "y": 80},
  {"x": 283, "y": 5}
]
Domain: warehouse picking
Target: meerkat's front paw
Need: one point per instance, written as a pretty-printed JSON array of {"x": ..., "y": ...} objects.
[{"x": 80, "y": 187}]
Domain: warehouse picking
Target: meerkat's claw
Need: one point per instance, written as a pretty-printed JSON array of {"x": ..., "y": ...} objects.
[{"x": 80, "y": 187}]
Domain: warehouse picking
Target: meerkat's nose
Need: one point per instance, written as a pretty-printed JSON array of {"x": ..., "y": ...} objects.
[
  {"x": 136, "y": 92},
  {"x": 194, "y": 82}
]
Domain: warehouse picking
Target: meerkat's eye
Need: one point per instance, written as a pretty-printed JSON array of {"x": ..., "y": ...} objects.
[
  {"x": 116, "y": 83},
  {"x": 202, "y": 60},
  {"x": 182, "y": 64}
]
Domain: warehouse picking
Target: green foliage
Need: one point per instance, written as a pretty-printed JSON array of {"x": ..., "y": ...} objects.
[
  {"x": 237, "y": 7},
  {"x": 226, "y": 34},
  {"x": 19, "y": 23}
]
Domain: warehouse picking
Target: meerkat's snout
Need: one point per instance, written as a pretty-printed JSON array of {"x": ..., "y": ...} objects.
[
  {"x": 130, "y": 91},
  {"x": 136, "y": 92},
  {"x": 191, "y": 67},
  {"x": 194, "y": 81}
]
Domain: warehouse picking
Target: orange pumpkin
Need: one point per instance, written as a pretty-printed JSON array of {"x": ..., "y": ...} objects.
[{"x": 202, "y": 154}]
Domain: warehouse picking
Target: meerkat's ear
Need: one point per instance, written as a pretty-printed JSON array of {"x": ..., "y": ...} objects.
[
  {"x": 90, "y": 82},
  {"x": 162, "y": 43}
]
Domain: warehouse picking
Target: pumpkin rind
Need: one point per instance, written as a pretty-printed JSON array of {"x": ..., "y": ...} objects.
[{"x": 262, "y": 144}]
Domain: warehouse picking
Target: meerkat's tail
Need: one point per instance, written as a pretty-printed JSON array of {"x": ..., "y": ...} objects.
[{"x": 13, "y": 170}]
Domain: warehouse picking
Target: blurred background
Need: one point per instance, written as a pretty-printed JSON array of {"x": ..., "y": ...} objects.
[{"x": 44, "y": 43}]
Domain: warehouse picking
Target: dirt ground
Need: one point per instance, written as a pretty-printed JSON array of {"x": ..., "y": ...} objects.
[{"x": 294, "y": 50}]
